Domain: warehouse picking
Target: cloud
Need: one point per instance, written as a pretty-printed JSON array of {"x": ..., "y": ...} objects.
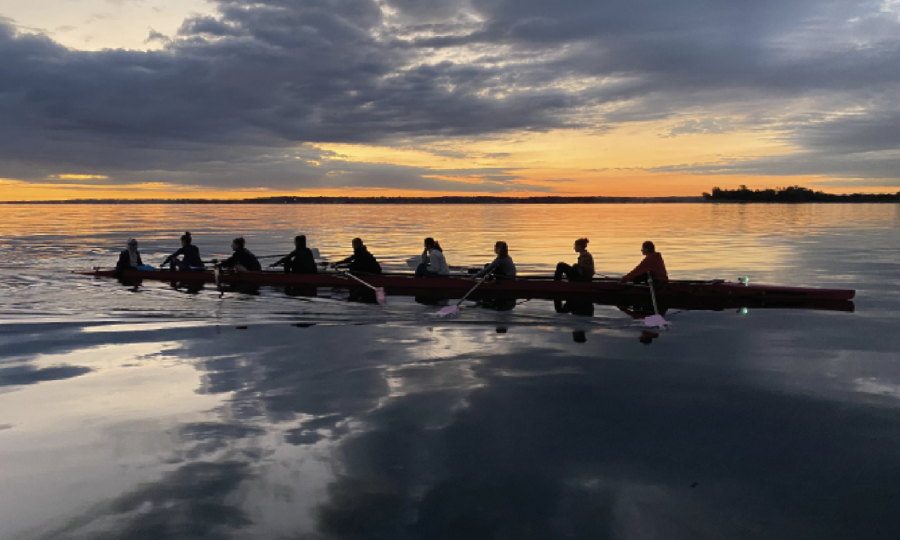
[
  {"x": 862, "y": 169},
  {"x": 261, "y": 77},
  {"x": 21, "y": 375},
  {"x": 705, "y": 126},
  {"x": 157, "y": 36}
]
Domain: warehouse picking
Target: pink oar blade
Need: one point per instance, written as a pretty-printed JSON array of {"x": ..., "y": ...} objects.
[
  {"x": 380, "y": 297},
  {"x": 447, "y": 311},
  {"x": 655, "y": 320}
]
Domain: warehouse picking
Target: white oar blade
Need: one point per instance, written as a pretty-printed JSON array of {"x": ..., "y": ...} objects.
[
  {"x": 380, "y": 296},
  {"x": 655, "y": 321}
]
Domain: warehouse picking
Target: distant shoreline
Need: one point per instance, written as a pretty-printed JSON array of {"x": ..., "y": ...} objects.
[
  {"x": 381, "y": 200},
  {"x": 792, "y": 195}
]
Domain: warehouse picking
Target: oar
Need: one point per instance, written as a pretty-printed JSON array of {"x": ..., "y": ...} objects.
[
  {"x": 315, "y": 254},
  {"x": 218, "y": 285},
  {"x": 657, "y": 319},
  {"x": 379, "y": 291},
  {"x": 450, "y": 310}
]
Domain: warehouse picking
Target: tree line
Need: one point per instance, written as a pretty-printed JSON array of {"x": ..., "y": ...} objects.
[{"x": 794, "y": 194}]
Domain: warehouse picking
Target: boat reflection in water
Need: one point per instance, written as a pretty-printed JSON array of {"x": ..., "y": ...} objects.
[
  {"x": 581, "y": 308},
  {"x": 636, "y": 308},
  {"x": 584, "y": 306},
  {"x": 498, "y": 304},
  {"x": 188, "y": 287}
]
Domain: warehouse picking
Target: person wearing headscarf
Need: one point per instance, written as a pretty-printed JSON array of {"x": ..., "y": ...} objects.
[{"x": 129, "y": 258}]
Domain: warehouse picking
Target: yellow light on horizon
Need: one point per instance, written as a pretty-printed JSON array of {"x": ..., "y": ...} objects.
[{"x": 80, "y": 176}]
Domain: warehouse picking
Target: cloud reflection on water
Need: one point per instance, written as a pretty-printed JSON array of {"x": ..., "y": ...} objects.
[{"x": 508, "y": 435}]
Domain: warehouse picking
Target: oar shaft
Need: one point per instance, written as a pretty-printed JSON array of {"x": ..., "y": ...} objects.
[
  {"x": 216, "y": 274},
  {"x": 652, "y": 293},
  {"x": 463, "y": 299},
  {"x": 348, "y": 274}
]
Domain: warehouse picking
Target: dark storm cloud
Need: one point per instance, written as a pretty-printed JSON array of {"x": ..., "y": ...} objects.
[{"x": 230, "y": 90}]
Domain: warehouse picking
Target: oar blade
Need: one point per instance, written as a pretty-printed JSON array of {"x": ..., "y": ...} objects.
[
  {"x": 656, "y": 321},
  {"x": 380, "y": 296},
  {"x": 447, "y": 311}
]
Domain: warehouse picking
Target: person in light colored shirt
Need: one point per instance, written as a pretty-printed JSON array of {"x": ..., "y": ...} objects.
[{"x": 433, "y": 262}]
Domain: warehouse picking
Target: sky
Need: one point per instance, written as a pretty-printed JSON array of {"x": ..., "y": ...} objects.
[{"x": 236, "y": 98}]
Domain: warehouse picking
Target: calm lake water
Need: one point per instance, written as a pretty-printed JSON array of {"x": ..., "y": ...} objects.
[{"x": 149, "y": 412}]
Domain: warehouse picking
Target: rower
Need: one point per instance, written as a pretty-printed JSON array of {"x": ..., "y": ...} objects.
[
  {"x": 652, "y": 264},
  {"x": 361, "y": 262},
  {"x": 299, "y": 261},
  {"x": 242, "y": 260},
  {"x": 129, "y": 258},
  {"x": 502, "y": 266},
  {"x": 583, "y": 270},
  {"x": 433, "y": 262},
  {"x": 190, "y": 254}
]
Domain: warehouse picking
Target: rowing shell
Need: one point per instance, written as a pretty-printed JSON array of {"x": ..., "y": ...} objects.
[{"x": 521, "y": 287}]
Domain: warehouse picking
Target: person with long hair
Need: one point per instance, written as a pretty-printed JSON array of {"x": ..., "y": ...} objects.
[
  {"x": 583, "y": 270},
  {"x": 434, "y": 264},
  {"x": 652, "y": 264},
  {"x": 502, "y": 266},
  {"x": 299, "y": 261}
]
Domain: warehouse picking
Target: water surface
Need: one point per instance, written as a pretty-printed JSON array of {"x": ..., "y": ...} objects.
[{"x": 152, "y": 413}]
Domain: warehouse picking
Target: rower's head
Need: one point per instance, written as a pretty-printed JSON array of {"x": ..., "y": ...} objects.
[
  {"x": 186, "y": 239},
  {"x": 300, "y": 241},
  {"x": 647, "y": 248},
  {"x": 358, "y": 243},
  {"x": 431, "y": 244},
  {"x": 581, "y": 244},
  {"x": 238, "y": 243},
  {"x": 132, "y": 243},
  {"x": 501, "y": 249}
]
